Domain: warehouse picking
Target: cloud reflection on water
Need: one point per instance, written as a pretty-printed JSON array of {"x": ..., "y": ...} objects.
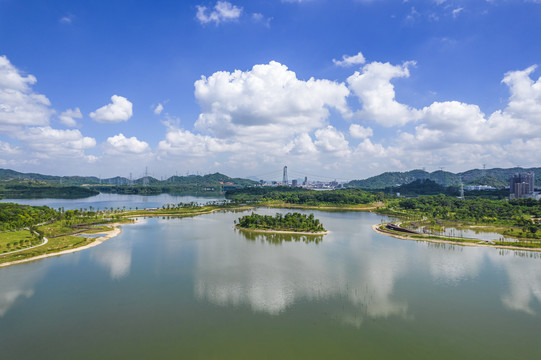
[
  {"x": 455, "y": 264},
  {"x": 271, "y": 278},
  {"x": 114, "y": 257},
  {"x": 17, "y": 284},
  {"x": 524, "y": 281}
]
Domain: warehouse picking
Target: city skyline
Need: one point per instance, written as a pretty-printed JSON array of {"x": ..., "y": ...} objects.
[{"x": 352, "y": 89}]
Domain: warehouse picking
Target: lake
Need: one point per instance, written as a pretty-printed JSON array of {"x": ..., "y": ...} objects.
[
  {"x": 196, "y": 288},
  {"x": 106, "y": 201}
]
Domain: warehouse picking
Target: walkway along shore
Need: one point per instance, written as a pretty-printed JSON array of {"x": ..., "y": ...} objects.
[
  {"x": 377, "y": 229},
  {"x": 108, "y": 235},
  {"x": 117, "y": 231}
]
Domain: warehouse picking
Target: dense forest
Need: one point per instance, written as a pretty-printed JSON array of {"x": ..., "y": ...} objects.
[
  {"x": 215, "y": 179},
  {"x": 32, "y": 190},
  {"x": 300, "y": 196},
  {"x": 14, "y": 216},
  {"x": 14, "y": 185},
  {"x": 514, "y": 212},
  {"x": 496, "y": 177},
  {"x": 424, "y": 187},
  {"x": 287, "y": 222}
]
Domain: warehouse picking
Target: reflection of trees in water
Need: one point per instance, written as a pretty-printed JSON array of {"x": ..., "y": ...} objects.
[
  {"x": 277, "y": 239},
  {"x": 444, "y": 246}
]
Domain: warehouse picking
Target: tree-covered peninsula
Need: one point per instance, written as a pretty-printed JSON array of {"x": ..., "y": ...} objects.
[{"x": 290, "y": 222}]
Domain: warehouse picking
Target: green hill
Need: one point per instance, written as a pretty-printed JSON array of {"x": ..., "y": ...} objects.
[
  {"x": 497, "y": 177},
  {"x": 14, "y": 184}
]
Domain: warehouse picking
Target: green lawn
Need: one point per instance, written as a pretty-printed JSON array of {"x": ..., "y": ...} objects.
[
  {"x": 15, "y": 240},
  {"x": 54, "y": 245}
]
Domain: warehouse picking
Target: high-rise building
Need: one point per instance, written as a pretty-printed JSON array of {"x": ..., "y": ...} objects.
[
  {"x": 294, "y": 183},
  {"x": 522, "y": 190},
  {"x": 521, "y": 185}
]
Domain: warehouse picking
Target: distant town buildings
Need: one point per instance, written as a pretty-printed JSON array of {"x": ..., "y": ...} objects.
[
  {"x": 299, "y": 182},
  {"x": 521, "y": 186},
  {"x": 478, "y": 187}
]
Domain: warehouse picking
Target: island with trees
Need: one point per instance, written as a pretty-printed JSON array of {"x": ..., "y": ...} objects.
[
  {"x": 513, "y": 223},
  {"x": 294, "y": 223}
]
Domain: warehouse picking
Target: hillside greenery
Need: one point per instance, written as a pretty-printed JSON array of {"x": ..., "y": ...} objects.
[
  {"x": 452, "y": 208},
  {"x": 15, "y": 216},
  {"x": 301, "y": 196},
  {"x": 40, "y": 190},
  {"x": 496, "y": 177},
  {"x": 7, "y": 175},
  {"x": 289, "y": 222},
  {"x": 425, "y": 187}
]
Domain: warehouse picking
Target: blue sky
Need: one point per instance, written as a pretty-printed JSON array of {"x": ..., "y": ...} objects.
[{"x": 334, "y": 89}]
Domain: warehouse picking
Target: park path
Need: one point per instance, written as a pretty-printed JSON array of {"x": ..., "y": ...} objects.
[{"x": 31, "y": 247}]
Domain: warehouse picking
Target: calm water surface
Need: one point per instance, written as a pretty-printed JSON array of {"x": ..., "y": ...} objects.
[
  {"x": 107, "y": 201},
  {"x": 195, "y": 288}
]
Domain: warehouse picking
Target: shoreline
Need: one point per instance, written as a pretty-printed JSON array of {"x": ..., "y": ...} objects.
[
  {"x": 108, "y": 235},
  {"x": 151, "y": 214},
  {"x": 117, "y": 231},
  {"x": 315, "y": 207},
  {"x": 375, "y": 228},
  {"x": 282, "y": 231}
]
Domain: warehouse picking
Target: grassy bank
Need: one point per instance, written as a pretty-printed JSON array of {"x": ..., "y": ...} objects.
[
  {"x": 324, "y": 207},
  {"x": 519, "y": 245},
  {"x": 68, "y": 234}
]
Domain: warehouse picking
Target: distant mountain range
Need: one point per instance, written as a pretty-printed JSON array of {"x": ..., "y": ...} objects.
[
  {"x": 497, "y": 177},
  {"x": 215, "y": 179}
]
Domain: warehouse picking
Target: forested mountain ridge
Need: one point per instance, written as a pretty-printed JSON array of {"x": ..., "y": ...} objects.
[
  {"x": 496, "y": 177},
  {"x": 210, "y": 179}
]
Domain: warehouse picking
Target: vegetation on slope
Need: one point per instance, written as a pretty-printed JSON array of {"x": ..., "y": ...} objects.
[
  {"x": 497, "y": 177},
  {"x": 300, "y": 196},
  {"x": 7, "y": 175},
  {"x": 36, "y": 190},
  {"x": 289, "y": 222},
  {"x": 14, "y": 216},
  {"x": 25, "y": 226}
]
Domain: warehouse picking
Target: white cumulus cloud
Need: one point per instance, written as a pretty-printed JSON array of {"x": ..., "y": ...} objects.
[
  {"x": 185, "y": 143},
  {"x": 360, "y": 132},
  {"x": 19, "y": 104},
  {"x": 302, "y": 145},
  {"x": 266, "y": 104},
  {"x": 374, "y": 89},
  {"x": 119, "y": 144},
  {"x": 332, "y": 141},
  {"x": 350, "y": 60},
  {"x": 120, "y": 109},
  {"x": 47, "y": 142},
  {"x": 223, "y": 11},
  {"x": 68, "y": 117},
  {"x": 8, "y": 149}
]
